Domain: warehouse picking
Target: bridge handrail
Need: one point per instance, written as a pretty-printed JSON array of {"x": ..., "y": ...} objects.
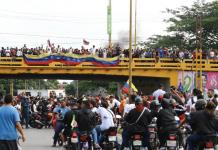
[{"x": 162, "y": 63}]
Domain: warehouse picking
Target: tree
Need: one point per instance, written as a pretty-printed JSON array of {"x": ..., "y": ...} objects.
[
  {"x": 88, "y": 86},
  {"x": 70, "y": 89},
  {"x": 183, "y": 22},
  {"x": 182, "y": 28}
]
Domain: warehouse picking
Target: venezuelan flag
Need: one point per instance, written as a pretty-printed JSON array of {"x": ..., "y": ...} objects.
[{"x": 126, "y": 87}]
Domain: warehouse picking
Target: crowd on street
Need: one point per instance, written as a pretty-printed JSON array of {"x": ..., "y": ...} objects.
[
  {"x": 95, "y": 115},
  {"x": 161, "y": 52}
]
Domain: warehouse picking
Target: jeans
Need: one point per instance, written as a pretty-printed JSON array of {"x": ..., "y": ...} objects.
[
  {"x": 126, "y": 136},
  {"x": 98, "y": 131},
  {"x": 94, "y": 136},
  {"x": 25, "y": 116},
  {"x": 193, "y": 140},
  {"x": 59, "y": 127}
]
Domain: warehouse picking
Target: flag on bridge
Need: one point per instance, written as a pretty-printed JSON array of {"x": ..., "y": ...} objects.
[
  {"x": 126, "y": 87},
  {"x": 85, "y": 42},
  {"x": 49, "y": 43}
]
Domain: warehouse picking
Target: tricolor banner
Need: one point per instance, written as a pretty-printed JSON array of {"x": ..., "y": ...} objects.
[{"x": 70, "y": 59}]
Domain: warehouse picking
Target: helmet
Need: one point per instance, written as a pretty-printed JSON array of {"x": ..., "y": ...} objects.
[
  {"x": 200, "y": 104},
  {"x": 165, "y": 103},
  {"x": 154, "y": 104}
]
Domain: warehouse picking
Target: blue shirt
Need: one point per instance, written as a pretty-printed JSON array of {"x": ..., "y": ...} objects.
[
  {"x": 9, "y": 116},
  {"x": 61, "y": 111}
]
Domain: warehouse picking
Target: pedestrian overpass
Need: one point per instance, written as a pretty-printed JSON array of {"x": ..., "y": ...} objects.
[{"x": 164, "y": 68}]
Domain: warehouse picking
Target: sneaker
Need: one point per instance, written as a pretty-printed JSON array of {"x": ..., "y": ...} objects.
[
  {"x": 54, "y": 145},
  {"x": 97, "y": 146}
]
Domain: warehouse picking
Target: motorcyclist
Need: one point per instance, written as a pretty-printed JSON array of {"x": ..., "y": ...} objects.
[
  {"x": 69, "y": 123},
  {"x": 154, "y": 108},
  {"x": 107, "y": 118},
  {"x": 61, "y": 111},
  {"x": 166, "y": 122},
  {"x": 140, "y": 126},
  {"x": 203, "y": 123},
  {"x": 86, "y": 120}
]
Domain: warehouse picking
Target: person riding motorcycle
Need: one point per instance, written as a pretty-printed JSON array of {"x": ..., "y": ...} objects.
[
  {"x": 68, "y": 119},
  {"x": 166, "y": 122},
  {"x": 154, "y": 108},
  {"x": 203, "y": 123},
  {"x": 61, "y": 111},
  {"x": 140, "y": 126},
  {"x": 86, "y": 120}
]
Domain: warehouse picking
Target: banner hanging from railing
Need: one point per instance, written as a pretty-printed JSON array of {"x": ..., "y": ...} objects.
[{"x": 70, "y": 60}]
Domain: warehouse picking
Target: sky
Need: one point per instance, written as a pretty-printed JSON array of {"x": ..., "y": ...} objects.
[{"x": 68, "y": 22}]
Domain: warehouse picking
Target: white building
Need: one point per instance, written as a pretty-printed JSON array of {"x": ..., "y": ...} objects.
[{"x": 43, "y": 93}]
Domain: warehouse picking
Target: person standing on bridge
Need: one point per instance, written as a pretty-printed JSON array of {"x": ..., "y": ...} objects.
[
  {"x": 159, "y": 92},
  {"x": 9, "y": 124}
]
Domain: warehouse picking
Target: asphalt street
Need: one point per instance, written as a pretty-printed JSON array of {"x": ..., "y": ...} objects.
[{"x": 39, "y": 139}]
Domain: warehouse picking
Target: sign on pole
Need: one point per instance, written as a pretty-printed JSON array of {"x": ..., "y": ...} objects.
[{"x": 109, "y": 18}]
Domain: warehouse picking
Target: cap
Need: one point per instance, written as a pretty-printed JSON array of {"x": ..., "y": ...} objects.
[{"x": 138, "y": 100}]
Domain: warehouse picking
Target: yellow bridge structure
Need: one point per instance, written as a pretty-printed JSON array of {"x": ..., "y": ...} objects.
[{"x": 142, "y": 67}]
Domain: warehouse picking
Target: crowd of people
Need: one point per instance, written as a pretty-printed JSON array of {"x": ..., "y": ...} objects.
[
  {"x": 96, "y": 114},
  {"x": 161, "y": 52}
]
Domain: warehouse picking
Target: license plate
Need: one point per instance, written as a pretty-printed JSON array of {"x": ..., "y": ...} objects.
[
  {"x": 74, "y": 140},
  {"x": 171, "y": 143},
  {"x": 152, "y": 135},
  {"x": 137, "y": 143},
  {"x": 209, "y": 149},
  {"x": 112, "y": 138}
]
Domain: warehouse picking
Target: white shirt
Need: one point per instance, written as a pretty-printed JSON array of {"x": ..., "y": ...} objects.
[
  {"x": 94, "y": 109},
  {"x": 128, "y": 108},
  {"x": 115, "y": 102},
  {"x": 158, "y": 93},
  {"x": 190, "y": 104},
  {"x": 106, "y": 118}
]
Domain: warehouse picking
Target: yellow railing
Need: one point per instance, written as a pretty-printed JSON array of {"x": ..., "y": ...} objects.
[{"x": 140, "y": 63}]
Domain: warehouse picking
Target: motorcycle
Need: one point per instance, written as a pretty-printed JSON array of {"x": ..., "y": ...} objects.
[
  {"x": 153, "y": 138},
  {"x": 208, "y": 143},
  {"x": 85, "y": 141},
  {"x": 35, "y": 121},
  {"x": 72, "y": 141},
  {"x": 109, "y": 139},
  {"x": 137, "y": 141},
  {"x": 172, "y": 142}
]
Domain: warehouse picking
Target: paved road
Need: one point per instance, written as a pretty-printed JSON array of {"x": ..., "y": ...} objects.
[
  {"x": 41, "y": 139},
  {"x": 38, "y": 139}
]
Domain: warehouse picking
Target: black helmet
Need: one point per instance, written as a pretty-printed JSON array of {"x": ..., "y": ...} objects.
[
  {"x": 165, "y": 103},
  {"x": 200, "y": 104}
]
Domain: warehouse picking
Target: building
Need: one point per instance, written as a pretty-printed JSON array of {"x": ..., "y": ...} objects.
[{"x": 44, "y": 93}]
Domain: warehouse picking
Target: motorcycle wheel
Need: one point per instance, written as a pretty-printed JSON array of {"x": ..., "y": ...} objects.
[
  {"x": 39, "y": 126},
  {"x": 32, "y": 124},
  {"x": 60, "y": 142}
]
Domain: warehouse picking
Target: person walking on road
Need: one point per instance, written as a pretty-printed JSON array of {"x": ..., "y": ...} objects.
[{"x": 9, "y": 124}]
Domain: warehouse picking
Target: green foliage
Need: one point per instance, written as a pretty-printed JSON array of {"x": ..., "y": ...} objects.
[
  {"x": 70, "y": 89},
  {"x": 182, "y": 27},
  {"x": 30, "y": 84},
  {"x": 86, "y": 85}
]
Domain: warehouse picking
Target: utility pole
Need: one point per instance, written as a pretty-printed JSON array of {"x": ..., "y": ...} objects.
[
  {"x": 109, "y": 23},
  {"x": 77, "y": 88},
  {"x": 199, "y": 44},
  {"x": 135, "y": 24},
  {"x": 12, "y": 87},
  {"x": 130, "y": 52}
]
